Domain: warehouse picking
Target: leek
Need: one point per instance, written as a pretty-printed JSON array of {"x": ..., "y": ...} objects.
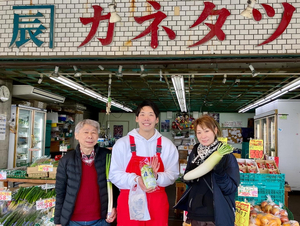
[
  {"x": 209, "y": 163},
  {"x": 109, "y": 186}
]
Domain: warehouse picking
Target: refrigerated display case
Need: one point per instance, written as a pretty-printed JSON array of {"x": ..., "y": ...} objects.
[
  {"x": 27, "y": 136},
  {"x": 265, "y": 128}
]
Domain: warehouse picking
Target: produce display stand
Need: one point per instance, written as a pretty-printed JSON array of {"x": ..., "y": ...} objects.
[{"x": 29, "y": 180}]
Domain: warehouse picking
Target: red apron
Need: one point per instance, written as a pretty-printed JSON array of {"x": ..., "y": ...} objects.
[{"x": 158, "y": 204}]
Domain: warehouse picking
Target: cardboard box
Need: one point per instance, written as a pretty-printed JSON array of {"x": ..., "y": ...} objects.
[
  {"x": 32, "y": 170},
  {"x": 39, "y": 104},
  {"x": 38, "y": 175},
  {"x": 52, "y": 175}
]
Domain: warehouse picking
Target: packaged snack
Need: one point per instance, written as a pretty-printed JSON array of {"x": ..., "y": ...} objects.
[{"x": 147, "y": 174}]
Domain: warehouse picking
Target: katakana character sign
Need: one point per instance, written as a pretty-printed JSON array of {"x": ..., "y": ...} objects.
[
  {"x": 286, "y": 19},
  {"x": 35, "y": 29},
  {"x": 153, "y": 28},
  {"x": 95, "y": 24},
  {"x": 215, "y": 29}
]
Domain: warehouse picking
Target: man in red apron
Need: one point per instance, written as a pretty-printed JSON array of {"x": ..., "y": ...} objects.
[{"x": 139, "y": 144}]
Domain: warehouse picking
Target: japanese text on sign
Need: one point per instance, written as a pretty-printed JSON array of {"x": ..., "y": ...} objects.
[
  {"x": 45, "y": 204},
  {"x": 242, "y": 213},
  {"x": 45, "y": 168},
  {"x": 256, "y": 148},
  {"x": 249, "y": 191},
  {"x": 20, "y": 38},
  {"x": 5, "y": 195}
]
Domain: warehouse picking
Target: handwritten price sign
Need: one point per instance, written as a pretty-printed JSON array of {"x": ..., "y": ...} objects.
[
  {"x": 45, "y": 168},
  {"x": 5, "y": 195},
  {"x": 256, "y": 149},
  {"x": 2, "y": 175},
  {"x": 249, "y": 191},
  {"x": 242, "y": 213},
  {"x": 45, "y": 204}
]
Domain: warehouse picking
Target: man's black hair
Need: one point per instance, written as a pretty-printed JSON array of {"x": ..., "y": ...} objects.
[{"x": 147, "y": 103}]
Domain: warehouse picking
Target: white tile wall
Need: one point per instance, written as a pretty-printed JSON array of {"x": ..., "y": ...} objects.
[{"x": 242, "y": 34}]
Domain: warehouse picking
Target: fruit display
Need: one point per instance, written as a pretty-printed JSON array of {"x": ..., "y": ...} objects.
[{"x": 270, "y": 214}]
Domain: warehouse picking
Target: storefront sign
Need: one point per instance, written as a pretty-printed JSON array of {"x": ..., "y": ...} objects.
[
  {"x": 256, "y": 148},
  {"x": 248, "y": 191},
  {"x": 5, "y": 195},
  {"x": 45, "y": 204},
  {"x": 45, "y": 168},
  {"x": 22, "y": 34},
  {"x": 242, "y": 213}
]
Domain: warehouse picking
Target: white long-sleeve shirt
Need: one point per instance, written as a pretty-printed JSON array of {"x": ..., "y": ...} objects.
[{"x": 121, "y": 155}]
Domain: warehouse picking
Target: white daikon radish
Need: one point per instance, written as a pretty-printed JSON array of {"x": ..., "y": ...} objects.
[{"x": 209, "y": 163}]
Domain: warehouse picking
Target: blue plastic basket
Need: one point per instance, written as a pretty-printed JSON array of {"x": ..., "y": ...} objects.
[{"x": 274, "y": 181}]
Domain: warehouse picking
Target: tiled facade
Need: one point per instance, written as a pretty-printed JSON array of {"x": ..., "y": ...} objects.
[{"x": 242, "y": 34}]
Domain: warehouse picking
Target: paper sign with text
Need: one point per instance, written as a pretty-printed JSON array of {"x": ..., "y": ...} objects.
[
  {"x": 249, "y": 191},
  {"x": 5, "y": 195},
  {"x": 3, "y": 175},
  {"x": 223, "y": 139},
  {"x": 45, "y": 168},
  {"x": 242, "y": 213},
  {"x": 256, "y": 149},
  {"x": 45, "y": 204}
]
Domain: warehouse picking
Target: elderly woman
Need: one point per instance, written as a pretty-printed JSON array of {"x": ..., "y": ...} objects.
[{"x": 81, "y": 188}]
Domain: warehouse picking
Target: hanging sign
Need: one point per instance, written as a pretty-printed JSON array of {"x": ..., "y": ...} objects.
[
  {"x": 63, "y": 148},
  {"x": 3, "y": 175},
  {"x": 45, "y": 204},
  {"x": 242, "y": 213},
  {"x": 5, "y": 195},
  {"x": 223, "y": 139},
  {"x": 45, "y": 168},
  {"x": 248, "y": 191},
  {"x": 256, "y": 149}
]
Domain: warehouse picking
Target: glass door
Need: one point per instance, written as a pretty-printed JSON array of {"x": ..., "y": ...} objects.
[
  {"x": 22, "y": 156},
  {"x": 38, "y": 135}
]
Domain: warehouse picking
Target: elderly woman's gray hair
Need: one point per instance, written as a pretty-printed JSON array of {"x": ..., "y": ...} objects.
[{"x": 89, "y": 122}]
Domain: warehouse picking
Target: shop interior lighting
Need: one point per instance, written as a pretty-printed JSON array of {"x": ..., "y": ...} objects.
[
  {"x": 143, "y": 73},
  {"x": 74, "y": 85},
  {"x": 77, "y": 73},
  {"x": 101, "y": 68},
  {"x": 160, "y": 76},
  {"x": 55, "y": 72},
  {"x": 114, "y": 17},
  {"x": 40, "y": 79},
  {"x": 119, "y": 73},
  {"x": 248, "y": 11},
  {"x": 178, "y": 83},
  {"x": 253, "y": 71},
  {"x": 224, "y": 79},
  {"x": 193, "y": 78},
  {"x": 272, "y": 96}
]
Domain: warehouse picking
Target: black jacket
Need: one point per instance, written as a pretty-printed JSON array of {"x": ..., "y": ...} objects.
[
  {"x": 68, "y": 178},
  {"x": 224, "y": 180}
]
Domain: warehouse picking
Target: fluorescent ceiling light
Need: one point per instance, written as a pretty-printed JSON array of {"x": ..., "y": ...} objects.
[
  {"x": 277, "y": 93},
  {"x": 178, "y": 83},
  {"x": 74, "y": 85}
]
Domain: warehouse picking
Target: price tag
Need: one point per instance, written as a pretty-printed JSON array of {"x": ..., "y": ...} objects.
[
  {"x": 242, "y": 213},
  {"x": 223, "y": 139},
  {"x": 256, "y": 149},
  {"x": 45, "y": 168},
  {"x": 45, "y": 204},
  {"x": 3, "y": 175},
  {"x": 248, "y": 191},
  {"x": 63, "y": 148},
  {"x": 5, "y": 195}
]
